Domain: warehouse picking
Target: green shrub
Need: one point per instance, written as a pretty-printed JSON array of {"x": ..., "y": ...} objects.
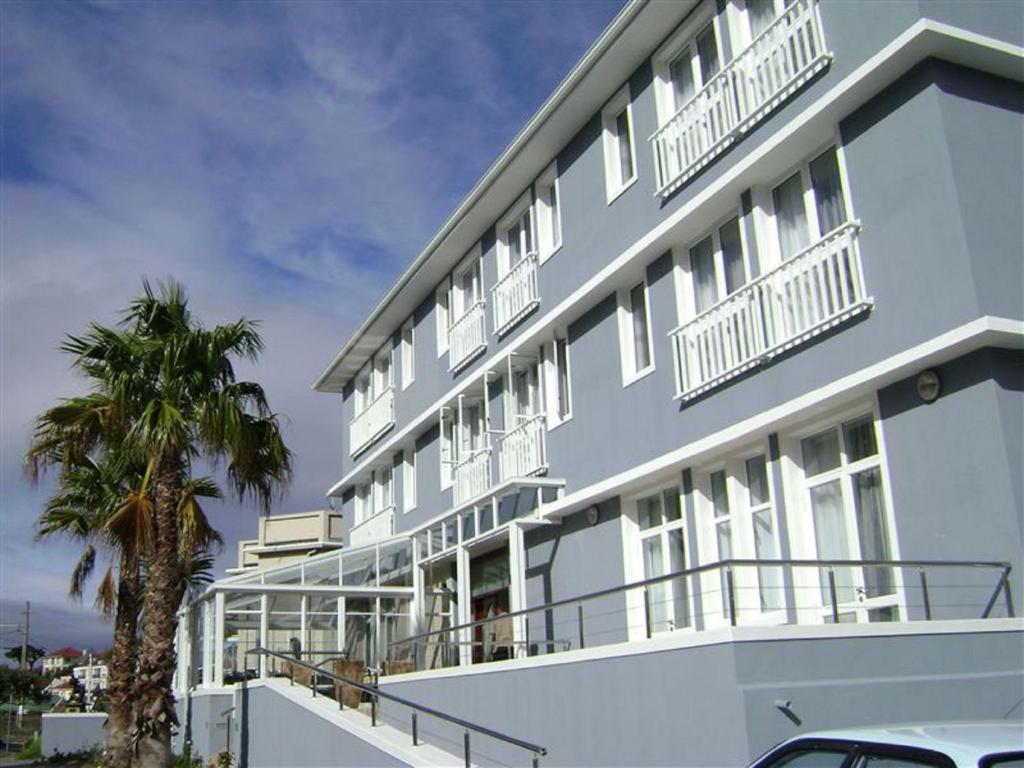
[{"x": 33, "y": 750}]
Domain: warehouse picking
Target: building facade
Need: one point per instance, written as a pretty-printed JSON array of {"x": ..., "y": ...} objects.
[{"x": 713, "y": 383}]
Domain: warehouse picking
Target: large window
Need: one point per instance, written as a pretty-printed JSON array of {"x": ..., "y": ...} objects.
[
  {"x": 845, "y": 497},
  {"x": 408, "y": 354},
  {"x": 516, "y": 235},
  {"x": 619, "y": 156},
  {"x": 687, "y": 61},
  {"x": 557, "y": 391},
  {"x": 467, "y": 286},
  {"x": 409, "y": 480},
  {"x": 549, "y": 213},
  {"x": 635, "y": 342},
  {"x": 374, "y": 378},
  {"x": 809, "y": 204},
  {"x": 717, "y": 265},
  {"x": 663, "y": 546},
  {"x": 441, "y": 308}
]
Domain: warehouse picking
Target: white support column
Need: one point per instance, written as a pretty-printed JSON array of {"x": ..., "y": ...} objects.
[
  {"x": 208, "y": 638},
  {"x": 303, "y": 626},
  {"x": 340, "y": 633},
  {"x": 517, "y": 583},
  {"x": 419, "y": 599},
  {"x": 218, "y": 639},
  {"x": 264, "y": 632},
  {"x": 465, "y": 615}
]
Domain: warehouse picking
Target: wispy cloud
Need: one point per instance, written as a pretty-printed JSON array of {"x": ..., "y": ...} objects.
[{"x": 284, "y": 160}]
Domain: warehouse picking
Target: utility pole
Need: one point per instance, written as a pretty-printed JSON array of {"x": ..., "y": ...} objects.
[{"x": 24, "y": 637}]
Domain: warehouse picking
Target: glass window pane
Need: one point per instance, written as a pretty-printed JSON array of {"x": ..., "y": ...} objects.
[
  {"x": 761, "y": 14},
  {"x": 657, "y": 594},
  {"x": 649, "y": 512},
  {"x": 641, "y": 337},
  {"x": 625, "y": 153},
  {"x": 562, "y": 363},
  {"x": 791, "y": 216},
  {"x": 886, "y": 761},
  {"x": 872, "y": 530},
  {"x": 702, "y": 265},
  {"x": 766, "y": 548},
  {"x": 828, "y": 192},
  {"x": 820, "y": 452},
  {"x": 681, "y": 71},
  {"x": 512, "y": 238},
  {"x": 830, "y": 537},
  {"x": 396, "y": 564},
  {"x": 673, "y": 509},
  {"x": 468, "y": 527},
  {"x": 719, "y": 495},
  {"x": 676, "y": 563},
  {"x": 707, "y": 50},
  {"x": 859, "y": 436},
  {"x": 812, "y": 758},
  {"x": 321, "y": 572},
  {"x": 359, "y": 568},
  {"x": 732, "y": 256},
  {"x": 757, "y": 481}
]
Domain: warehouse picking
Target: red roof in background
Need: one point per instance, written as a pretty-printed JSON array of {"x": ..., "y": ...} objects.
[{"x": 66, "y": 652}]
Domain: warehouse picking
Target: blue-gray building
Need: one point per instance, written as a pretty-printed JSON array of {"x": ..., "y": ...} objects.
[{"x": 730, "y": 335}]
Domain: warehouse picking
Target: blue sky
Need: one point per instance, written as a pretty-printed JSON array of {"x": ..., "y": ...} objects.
[{"x": 285, "y": 161}]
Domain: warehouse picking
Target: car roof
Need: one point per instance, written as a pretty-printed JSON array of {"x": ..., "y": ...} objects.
[{"x": 965, "y": 742}]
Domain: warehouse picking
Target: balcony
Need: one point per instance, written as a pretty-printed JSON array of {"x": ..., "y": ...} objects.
[
  {"x": 467, "y": 336},
  {"x": 522, "y": 451},
  {"x": 472, "y": 476},
  {"x": 376, "y": 419},
  {"x": 819, "y": 288},
  {"x": 779, "y": 60},
  {"x": 379, "y": 526},
  {"x": 515, "y": 294}
]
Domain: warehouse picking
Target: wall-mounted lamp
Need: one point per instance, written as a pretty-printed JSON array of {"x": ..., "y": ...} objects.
[
  {"x": 928, "y": 385},
  {"x": 785, "y": 706}
]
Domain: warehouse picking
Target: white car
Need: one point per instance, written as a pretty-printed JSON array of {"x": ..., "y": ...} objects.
[{"x": 998, "y": 744}]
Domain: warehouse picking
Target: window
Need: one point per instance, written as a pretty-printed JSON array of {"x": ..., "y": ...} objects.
[
  {"x": 523, "y": 394},
  {"x": 635, "y": 333},
  {"x": 845, "y": 499},
  {"x": 471, "y": 426},
  {"x": 374, "y": 379},
  {"x": 717, "y": 265},
  {"x": 408, "y": 354},
  {"x": 759, "y": 15},
  {"x": 549, "y": 213},
  {"x": 809, "y": 204},
  {"x": 619, "y": 159},
  {"x": 467, "y": 285},
  {"x": 442, "y": 299},
  {"x": 515, "y": 235},
  {"x": 409, "y": 480},
  {"x": 449, "y": 447},
  {"x": 363, "y": 502},
  {"x": 687, "y": 62},
  {"x": 663, "y": 547},
  {"x": 383, "y": 489}
]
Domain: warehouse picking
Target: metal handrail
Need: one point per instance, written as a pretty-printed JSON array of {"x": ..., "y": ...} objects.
[
  {"x": 1003, "y": 584},
  {"x": 376, "y": 693}
]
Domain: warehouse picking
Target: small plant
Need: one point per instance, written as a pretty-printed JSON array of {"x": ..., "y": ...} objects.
[
  {"x": 222, "y": 760},
  {"x": 33, "y": 750},
  {"x": 185, "y": 759}
]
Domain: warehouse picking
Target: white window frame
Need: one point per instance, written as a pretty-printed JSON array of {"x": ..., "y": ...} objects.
[
  {"x": 363, "y": 501},
  {"x": 459, "y": 305},
  {"x": 409, "y": 480},
  {"x": 741, "y": 33},
  {"x": 686, "y": 297},
  {"x": 447, "y": 446},
  {"x": 614, "y": 184},
  {"x": 799, "y": 514},
  {"x": 741, "y": 521},
  {"x": 408, "y": 346},
  {"x": 519, "y": 209},
  {"x": 627, "y": 351},
  {"x": 767, "y": 230},
  {"x": 443, "y": 313},
  {"x": 550, "y": 374},
  {"x": 383, "y": 489},
  {"x": 548, "y": 216},
  {"x": 686, "y": 34}
]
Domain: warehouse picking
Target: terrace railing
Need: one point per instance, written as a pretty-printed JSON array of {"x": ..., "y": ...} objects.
[
  {"x": 467, "y": 336},
  {"x": 522, "y": 451},
  {"x": 378, "y": 526},
  {"x": 472, "y": 476},
  {"x": 817, "y": 289},
  {"x": 314, "y": 673},
  {"x": 727, "y": 594},
  {"x": 515, "y": 294},
  {"x": 778, "y": 61},
  {"x": 374, "y": 420}
]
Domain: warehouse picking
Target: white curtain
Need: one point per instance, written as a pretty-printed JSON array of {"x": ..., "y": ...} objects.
[
  {"x": 702, "y": 266},
  {"x": 790, "y": 216},
  {"x": 732, "y": 256},
  {"x": 828, "y": 192},
  {"x": 830, "y": 538}
]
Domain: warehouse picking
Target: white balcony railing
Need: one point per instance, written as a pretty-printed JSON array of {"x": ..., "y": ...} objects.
[
  {"x": 378, "y": 526},
  {"x": 515, "y": 294},
  {"x": 818, "y": 288},
  {"x": 778, "y": 61},
  {"x": 376, "y": 419},
  {"x": 522, "y": 451},
  {"x": 472, "y": 476},
  {"x": 467, "y": 336}
]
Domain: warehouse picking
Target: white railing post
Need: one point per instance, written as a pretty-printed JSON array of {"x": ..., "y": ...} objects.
[
  {"x": 472, "y": 476},
  {"x": 816, "y": 289},
  {"x": 522, "y": 451},
  {"x": 515, "y": 294},
  {"x": 375, "y": 418},
  {"x": 775, "y": 64},
  {"x": 467, "y": 336}
]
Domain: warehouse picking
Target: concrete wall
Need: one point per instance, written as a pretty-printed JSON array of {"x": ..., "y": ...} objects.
[
  {"x": 715, "y": 704},
  {"x": 65, "y": 733},
  {"x": 202, "y": 721}
]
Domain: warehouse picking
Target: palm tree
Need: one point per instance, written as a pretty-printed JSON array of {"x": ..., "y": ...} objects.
[
  {"x": 103, "y": 502},
  {"x": 164, "y": 391}
]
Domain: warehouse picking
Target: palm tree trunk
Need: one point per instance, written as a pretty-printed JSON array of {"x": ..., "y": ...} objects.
[
  {"x": 122, "y": 664},
  {"x": 155, "y": 702}
]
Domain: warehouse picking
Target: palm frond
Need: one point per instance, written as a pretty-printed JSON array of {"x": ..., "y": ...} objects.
[
  {"x": 81, "y": 572},
  {"x": 132, "y": 525},
  {"x": 106, "y": 594},
  {"x": 195, "y": 531}
]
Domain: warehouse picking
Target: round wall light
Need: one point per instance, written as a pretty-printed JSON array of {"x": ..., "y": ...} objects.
[{"x": 929, "y": 385}]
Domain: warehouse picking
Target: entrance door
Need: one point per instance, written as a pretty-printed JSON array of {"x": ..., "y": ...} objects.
[
  {"x": 490, "y": 577},
  {"x": 663, "y": 544}
]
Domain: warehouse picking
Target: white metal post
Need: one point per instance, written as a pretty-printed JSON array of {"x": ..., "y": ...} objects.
[
  {"x": 264, "y": 632},
  {"x": 218, "y": 639}
]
